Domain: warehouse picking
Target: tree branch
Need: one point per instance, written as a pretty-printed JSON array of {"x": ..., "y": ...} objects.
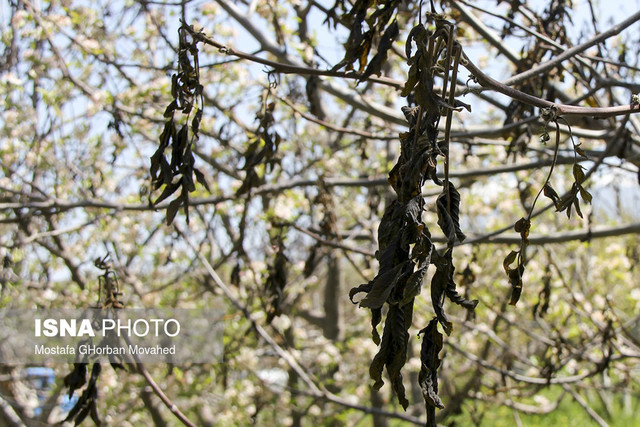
[{"x": 562, "y": 109}]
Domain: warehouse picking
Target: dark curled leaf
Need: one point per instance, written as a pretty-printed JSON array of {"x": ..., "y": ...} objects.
[
  {"x": 438, "y": 288},
  {"x": 576, "y": 203},
  {"x": 195, "y": 123},
  {"x": 393, "y": 350},
  {"x": 179, "y": 145},
  {"x": 155, "y": 164},
  {"x": 366, "y": 287},
  {"x": 443, "y": 284},
  {"x": 412, "y": 80},
  {"x": 201, "y": 179},
  {"x": 168, "y": 132},
  {"x": 172, "y": 210},
  {"x": 430, "y": 362},
  {"x": 514, "y": 274},
  {"x": 412, "y": 222},
  {"x": 168, "y": 191},
  {"x": 166, "y": 174},
  {"x": 451, "y": 291},
  {"x": 523, "y": 226},
  {"x": 171, "y": 108},
  {"x": 413, "y": 211},
  {"x": 418, "y": 34},
  {"x": 509, "y": 259},
  {"x": 551, "y": 193},
  {"x": 86, "y": 403},
  {"x": 363, "y": 50},
  {"x": 515, "y": 278},
  {"x": 76, "y": 378},
  {"x": 459, "y": 105},
  {"x": 94, "y": 415},
  {"x": 376, "y": 318},
  {"x": 448, "y": 214},
  {"x": 414, "y": 285},
  {"x": 383, "y": 284},
  {"x": 411, "y": 114},
  {"x": 185, "y": 203},
  {"x": 174, "y": 86},
  {"x": 380, "y": 57},
  {"x": 187, "y": 180}
]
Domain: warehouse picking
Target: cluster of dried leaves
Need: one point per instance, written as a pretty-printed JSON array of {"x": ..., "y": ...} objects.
[
  {"x": 405, "y": 248},
  {"x": 178, "y": 172},
  {"x": 108, "y": 298}
]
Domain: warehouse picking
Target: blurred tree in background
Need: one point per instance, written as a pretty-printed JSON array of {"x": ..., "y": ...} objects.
[{"x": 287, "y": 157}]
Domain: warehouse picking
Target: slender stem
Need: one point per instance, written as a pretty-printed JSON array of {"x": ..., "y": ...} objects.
[
  {"x": 553, "y": 164},
  {"x": 163, "y": 397},
  {"x": 447, "y": 133},
  {"x": 288, "y": 68}
]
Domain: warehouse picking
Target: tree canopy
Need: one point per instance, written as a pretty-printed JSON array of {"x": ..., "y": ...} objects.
[{"x": 412, "y": 211}]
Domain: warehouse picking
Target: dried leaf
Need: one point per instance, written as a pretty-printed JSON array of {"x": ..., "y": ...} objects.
[
  {"x": 430, "y": 362},
  {"x": 393, "y": 350},
  {"x": 383, "y": 284},
  {"x": 384, "y": 46},
  {"x": 201, "y": 179},
  {"x": 586, "y": 196},
  {"x": 448, "y": 214},
  {"x": 168, "y": 191},
  {"x": 551, "y": 193},
  {"x": 172, "y": 210},
  {"x": 578, "y": 173},
  {"x": 576, "y": 204},
  {"x": 76, "y": 378},
  {"x": 171, "y": 108},
  {"x": 523, "y": 226}
]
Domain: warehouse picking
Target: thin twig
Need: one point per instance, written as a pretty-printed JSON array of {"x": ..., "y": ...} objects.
[
  {"x": 163, "y": 397},
  {"x": 291, "y": 69},
  {"x": 314, "y": 390},
  {"x": 593, "y": 414}
]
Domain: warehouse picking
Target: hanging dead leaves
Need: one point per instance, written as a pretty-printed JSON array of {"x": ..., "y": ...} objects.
[
  {"x": 86, "y": 404},
  {"x": 261, "y": 155},
  {"x": 405, "y": 248},
  {"x": 364, "y": 30},
  {"x": 178, "y": 171},
  {"x": 515, "y": 262}
]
